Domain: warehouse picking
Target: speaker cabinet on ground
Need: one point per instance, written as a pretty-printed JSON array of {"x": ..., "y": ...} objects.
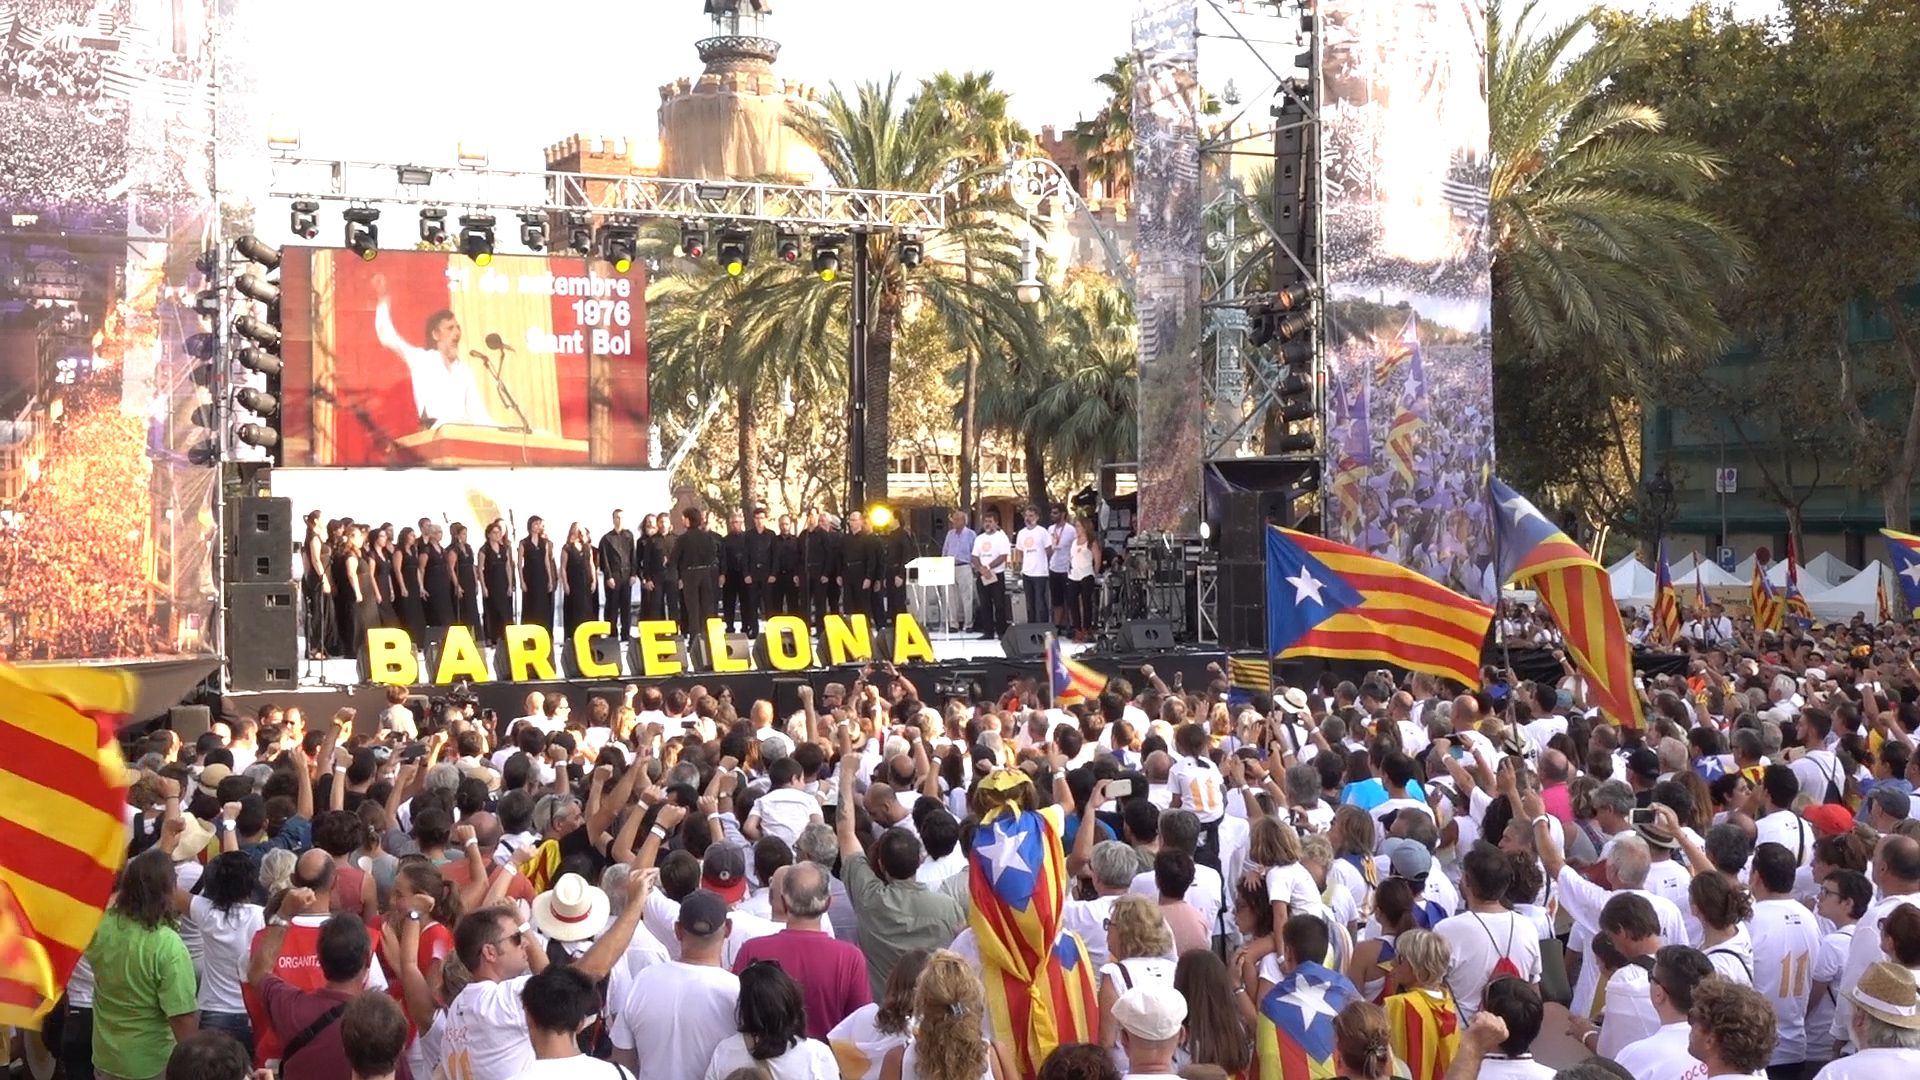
[
  {"x": 1243, "y": 605},
  {"x": 189, "y": 722},
  {"x": 1025, "y": 640},
  {"x": 1146, "y": 635},
  {"x": 263, "y": 649},
  {"x": 262, "y": 530}
]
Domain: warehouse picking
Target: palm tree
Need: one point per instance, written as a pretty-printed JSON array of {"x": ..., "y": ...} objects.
[
  {"x": 1595, "y": 233},
  {"x": 1107, "y": 140},
  {"x": 876, "y": 139},
  {"x": 989, "y": 138}
]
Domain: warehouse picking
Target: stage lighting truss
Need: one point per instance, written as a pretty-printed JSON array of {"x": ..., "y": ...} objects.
[
  {"x": 693, "y": 239},
  {"x": 433, "y": 225},
  {"x": 580, "y": 232},
  {"x": 476, "y": 238},
  {"x": 618, "y": 240},
  {"x": 826, "y": 255},
  {"x": 363, "y": 231},
  {"x": 786, "y": 246}
]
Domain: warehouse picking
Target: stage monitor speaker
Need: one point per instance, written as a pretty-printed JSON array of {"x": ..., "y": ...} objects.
[
  {"x": 1146, "y": 635},
  {"x": 1242, "y": 605},
  {"x": 1024, "y": 641},
  {"x": 605, "y": 649},
  {"x": 189, "y": 722},
  {"x": 262, "y": 531},
  {"x": 263, "y": 647}
]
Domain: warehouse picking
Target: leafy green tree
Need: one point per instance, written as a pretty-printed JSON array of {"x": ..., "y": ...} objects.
[{"x": 1106, "y": 141}]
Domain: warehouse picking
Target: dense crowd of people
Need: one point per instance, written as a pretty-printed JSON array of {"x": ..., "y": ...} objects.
[
  {"x": 75, "y": 581},
  {"x": 430, "y": 575},
  {"x": 1376, "y": 879}
]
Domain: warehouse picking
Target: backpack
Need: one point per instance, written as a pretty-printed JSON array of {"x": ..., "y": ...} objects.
[{"x": 1505, "y": 966}]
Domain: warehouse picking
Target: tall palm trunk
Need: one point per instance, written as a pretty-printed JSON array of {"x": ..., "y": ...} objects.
[
  {"x": 879, "y": 383},
  {"x": 969, "y": 430},
  {"x": 1036, "y": 470},
  {"x": 749, "y": 432}
]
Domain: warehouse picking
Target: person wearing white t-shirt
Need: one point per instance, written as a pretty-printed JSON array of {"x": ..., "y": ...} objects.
[
  {"x": 1112, "y": 864},
  {"x": 1896, "y": 880},
  {"x": 786, "y": 809},
  {"x": 1195, "y": 781},
  {"x": 991, "y": 552},
  {"x": 559, "y": 1001},
  {"x": 1886, "y": 1024},
  {"x": 1778, "y": 824},
  {"x": 1486, "y": 936},
  {"x": 1517, "y": 1005},
  {"x": 1629, "y": 922},
  {"x": 1785, "y": 939},
  {"x": 1732, "y": 1030},
  {"x": 685, "y": 1009},
  {"x": 772, "y": 1040},
  {"x": 1663, "y": 1055},
  {"x": 486, "y": 1025},
  {"x": 1035, "y": 547}
]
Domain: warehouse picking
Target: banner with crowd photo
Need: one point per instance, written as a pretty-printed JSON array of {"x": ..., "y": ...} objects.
[
  {"x": 425, "y": 358},
  {"x": 106, "y": 510},
  {"x": 1409, "y": 385}
]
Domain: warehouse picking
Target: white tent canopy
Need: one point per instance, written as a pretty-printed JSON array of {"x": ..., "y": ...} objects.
[
  {"x": 1828, "y": 570},
  {"x": 1632, "y": 582},
  {"x": 1859, "y": 595}
]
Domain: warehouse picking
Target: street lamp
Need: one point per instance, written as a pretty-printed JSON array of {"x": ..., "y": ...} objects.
[
  {"x": 1028, "y": 289},
  {"x": 1659, "y": 492}
]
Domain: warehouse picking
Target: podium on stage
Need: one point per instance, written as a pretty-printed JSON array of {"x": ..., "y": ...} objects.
[{"x": 474, "y": 444}]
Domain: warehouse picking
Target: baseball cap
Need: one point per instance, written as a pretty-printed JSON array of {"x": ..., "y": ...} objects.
[
  {"x": 702, "y": 914},
  {"x": 1154, "y": 1013},
  {"x": 1828, "y": 819},
  {"x": 1643, "y": 762},
  {"x": 724, "y": 872},
  {"x": 1408, "y": 859},
  {"x": 211, "y": 776}
]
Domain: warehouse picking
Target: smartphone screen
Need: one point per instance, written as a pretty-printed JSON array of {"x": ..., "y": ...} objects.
[{"x": 1119, "y": 789}]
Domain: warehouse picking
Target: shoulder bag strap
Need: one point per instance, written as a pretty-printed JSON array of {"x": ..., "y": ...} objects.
[{"x": 311, "y": 1032}]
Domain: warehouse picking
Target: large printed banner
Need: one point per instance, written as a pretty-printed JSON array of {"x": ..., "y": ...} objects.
[
  {"x": 1166, "y": 215},
  {"x": 106, "y": 137},
  {"x": 425, "y": 358},
  {"x": 1409, "y": 314}
]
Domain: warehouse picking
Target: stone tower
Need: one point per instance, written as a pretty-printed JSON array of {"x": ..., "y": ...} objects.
[{"x": 730, "y": 122}]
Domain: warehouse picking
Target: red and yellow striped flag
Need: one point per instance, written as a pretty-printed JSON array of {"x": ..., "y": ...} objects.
[
  {"x": 1577, "y": 590},
  {"x": 63, "y": 834},
  {"x": 1425, "y": 1028},
  {"x": 1039, "y": 981},
  {"x": 1766, "y": 606},
  {"x": 1666, "y": 602}
]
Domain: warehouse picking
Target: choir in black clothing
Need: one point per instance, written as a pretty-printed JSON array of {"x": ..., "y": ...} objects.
[{"x": 360, "y": 577}]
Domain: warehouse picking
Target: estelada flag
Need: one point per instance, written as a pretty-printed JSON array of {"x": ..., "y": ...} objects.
[
  {"x": 1424, "y": 1026},
  {"x": 1766, "y": 606},
  {"x": 1039, "y": 981},
  {"x": 1294, "y": 1035},
  {"x": 1068, "y": 680},
  {"x": 1666, "y": 601},
  {"x": 1577, "y": 590},
  {"x": 63, "y": 836}
]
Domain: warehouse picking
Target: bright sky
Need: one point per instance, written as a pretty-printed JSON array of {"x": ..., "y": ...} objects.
[{"x": 406, "y": 80}]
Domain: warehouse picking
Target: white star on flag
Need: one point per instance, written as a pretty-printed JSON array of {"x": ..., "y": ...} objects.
[
  {"x": 1311, "y": 999},
  {"x": 1305, "y": 586},
  {"x": 1521, "y": 509},
  {"x": 1912, "y": 572},
  {"x": 1004, "y": 854}
]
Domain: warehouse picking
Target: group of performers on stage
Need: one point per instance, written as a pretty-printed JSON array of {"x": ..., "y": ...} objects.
[{"x": 358, "y": 576}]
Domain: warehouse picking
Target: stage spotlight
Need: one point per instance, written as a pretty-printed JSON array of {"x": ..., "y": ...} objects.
[
  {"x": 879, "y": 515},
  {"x": 911, "y": 251},
  {"x": 254, "y": 287},
  {"x": 433, "y": 226},
  {"x": 305, "y": 219},
  {"x": 786, "y": 246},
  {"x": 207, "y": 304},
  {"x": 580, "y": 232},
  {"x": 617, "y": 240},
  {"x": 208, "y": 263},
  {"x": 363, "y": 232},
  {"x": 258, "y": 401},
  {"x": 734, "y": 249},
  {"x": 249, "y": 327},
  {"x": 1293, "y": 296},
  {"x": 693, "y": 239},
  {"x": 202, "y": 346},
  {"x": 826, "y": 255},
  {"x": 205, "y": 416},
  {"x": 533, "y": 231},
  {"x": 259, "y": 361},
  {"x": 205, "y": 455},
  {"x": 258, "y": 435},
  {"x": 476, "y": 237},
  {"x": 1291, "y": 325},
  {"x": 254, "y": 249},
  {"x": 1296, "y": 352}
]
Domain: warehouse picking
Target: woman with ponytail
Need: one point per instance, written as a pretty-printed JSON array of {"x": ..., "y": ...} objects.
[
  {"x": 420, "y": 892},
  {"x": 949, "y": 1027},
  {"x": 1362, "y": 1045}
]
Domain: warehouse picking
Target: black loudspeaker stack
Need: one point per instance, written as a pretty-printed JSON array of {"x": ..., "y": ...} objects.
[
  {"x": 1026, "y": 640},
  {"x": 1146, "y": 635},
  {"x": 262, "y": 618}
]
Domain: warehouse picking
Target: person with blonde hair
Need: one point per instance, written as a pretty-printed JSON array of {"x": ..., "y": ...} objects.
[
  {"x": 1422, "y": 1020},
  {"x": 1140, "y": 951},
  {"x": 949, "y": 1028}
]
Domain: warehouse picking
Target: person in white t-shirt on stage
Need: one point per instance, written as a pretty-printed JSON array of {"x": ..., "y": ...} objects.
[
  {"x": 991, "y": 552},
  {"x": 486, "y": 1026},
  {"x": 1035, "y": 547}
]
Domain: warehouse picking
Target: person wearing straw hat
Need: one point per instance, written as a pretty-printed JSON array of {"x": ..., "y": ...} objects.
[
  {"x": 1886, "y": 1025},
  {"x": 570, "y": 916}
]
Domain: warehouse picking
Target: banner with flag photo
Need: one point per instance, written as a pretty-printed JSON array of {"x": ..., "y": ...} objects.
[
  {"x": 1293, "y": 1038},
  {"x": 1410, "y": 410},
  {"x": 63, "y": 788},
  {"x": 1578, "y": 592}
]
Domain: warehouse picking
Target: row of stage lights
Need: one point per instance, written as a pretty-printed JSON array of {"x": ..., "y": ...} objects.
[{"x": 615, "y": 240}]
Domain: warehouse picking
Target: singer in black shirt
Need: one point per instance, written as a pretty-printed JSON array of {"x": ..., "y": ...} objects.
[
  {"x": 785, "y": 599},
  {"x": 820, "y": 567},
  {"x": 733, "y": 571},
  {"x": 758, "y": 546},
  {"x": 617, "y": 568},
  {"x": 696, "y": 564}
]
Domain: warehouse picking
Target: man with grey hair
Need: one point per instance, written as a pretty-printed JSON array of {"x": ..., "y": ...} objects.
[
  {"x": 817, "y": 845},
  {"x": 1113, "y": 865},
  {"x": 1310, "y": 812},
  {"x": 832, "y": 974},
  {"x": 1885, "y": 1026},
  {"x": 442, "y": 777}
]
